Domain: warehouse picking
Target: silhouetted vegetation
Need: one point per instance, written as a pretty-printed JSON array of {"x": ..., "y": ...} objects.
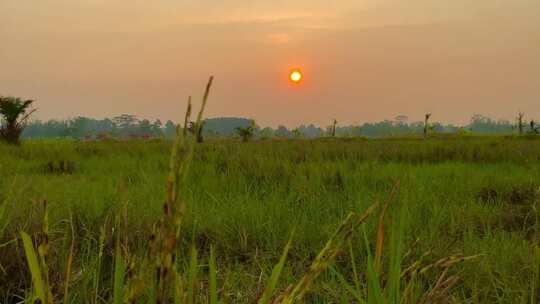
[
  {"x": 333, "y": 128},
  {"x": 533, "y": 128},
  {"x": 248, "y": 132},
  {"x": 14, "y": 113},
  {"x": 426, "y": 125},
  {"x": 129, "y": 126},
  {"x": 520, "y": 123}
]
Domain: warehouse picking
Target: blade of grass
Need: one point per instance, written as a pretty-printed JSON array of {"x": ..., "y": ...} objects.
[
  {"x": 203, "y": 106},
  {"x": 535, "y": 280},
  {"x": 380, "y": 238},
  {"x": 97, "y": 274},
  {"x": 380, "y": 229},
  {"x": 353, "y": 266},
  {"x": 69, "y": 261},
  {"x": 33, "y": 264},
  {"x": 396, "y": 255},
  {"x": 119, "y": 271},
  {"x": 43, "y": 252},
  {"x": 186, "y": 118},
  {"x": 374, "y": 290},
  {"x": 213, "y": 277},
  {"x": 192, "y": 276},
  {"x": 326, "y": 256},
  {"x": 276, "y": 272},
  {"x": 354, "y": 292}
]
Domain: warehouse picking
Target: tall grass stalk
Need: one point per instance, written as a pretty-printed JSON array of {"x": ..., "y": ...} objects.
[
  {"x": 296, "y": 293},
  {"x": 67, "y": 279},
  {"x": 276, "y": 272},
  {"x": 173, "y": 209},
  {"x": 43, "y": 251},
  {"x": 213, "y": 290},
  {"x": 119, "y": 273}
]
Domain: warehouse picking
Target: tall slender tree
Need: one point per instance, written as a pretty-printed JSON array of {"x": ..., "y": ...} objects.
[
  {"x": 426, "y": 124},
  {"x": 334, "y": 123},
  {"x": 520, "y": 123},
  {"x": 534, "y": 128}
]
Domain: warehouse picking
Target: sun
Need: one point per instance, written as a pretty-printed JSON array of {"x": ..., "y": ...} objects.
[{"x": 296, "y": 76}]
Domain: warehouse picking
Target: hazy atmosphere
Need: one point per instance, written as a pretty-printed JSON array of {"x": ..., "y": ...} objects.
[
  {"x": 270, "y": 152},
  {"x": 362, "y": 60}
]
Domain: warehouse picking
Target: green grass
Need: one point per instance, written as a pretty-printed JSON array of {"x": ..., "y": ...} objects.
[{"x": 457, "y": 196}]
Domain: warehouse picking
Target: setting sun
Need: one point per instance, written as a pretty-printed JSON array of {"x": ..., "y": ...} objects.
[{"x": 296, "y": 76}]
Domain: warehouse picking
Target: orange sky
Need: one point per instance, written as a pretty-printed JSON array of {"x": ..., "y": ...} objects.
[{"x": 362, "y": 60}]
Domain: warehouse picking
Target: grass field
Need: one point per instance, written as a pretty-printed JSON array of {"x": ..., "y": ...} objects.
[{"x": 456, "y": 197}]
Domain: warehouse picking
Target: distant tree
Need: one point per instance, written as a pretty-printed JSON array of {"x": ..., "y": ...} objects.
[
  {"x": 248, "y": 132},
  {"x": 379, "y": 129},
  {"x": 245, "y": 133},
  {"x": 520, "y": 123},
  {"x": 426, "y": 124},
  {"x": 225, "y": 126},
  {"x": 14, "y": 112},
  {"x": 78, "y": 127},
  {"x": 402, "y": 119},
  {"x": 125, "y": 124},
  {"x": 437, "y": 127},
  {"x": 170, "y": 129},
  {"x": 211, "y": 133},
  {"x": 144, "y": 127},
  {"x": 49, "y": 129},
  {"x": 356, "y": 131},
  {"x": 348, "y": 131},
  {"x": 156, "y": 128},
  {"x": 267, "y": 132},
  {"x": 282, "y": 131},
  {"x": 534, "y": 129},
  {"x": 311, "y": 131},
  {"x": 483, "y": 124},
  {"x": 297, "y": 133},
  {"x": 125, "y": 120}
]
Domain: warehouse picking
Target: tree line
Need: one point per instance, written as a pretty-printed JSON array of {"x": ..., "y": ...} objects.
[
  {"x": 125, "y": 125},
  {"x": 15, "y": 123}
]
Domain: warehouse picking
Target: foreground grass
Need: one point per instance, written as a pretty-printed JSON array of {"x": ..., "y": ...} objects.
[{"x": 461, "y": 196}]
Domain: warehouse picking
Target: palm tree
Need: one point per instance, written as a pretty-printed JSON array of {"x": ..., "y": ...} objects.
[
  {"x": 248, "y": 132},
  {"x": 14, "y": 112}
]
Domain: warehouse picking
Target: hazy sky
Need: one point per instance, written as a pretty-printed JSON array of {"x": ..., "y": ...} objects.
[{"x": 363, "y": 60}]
